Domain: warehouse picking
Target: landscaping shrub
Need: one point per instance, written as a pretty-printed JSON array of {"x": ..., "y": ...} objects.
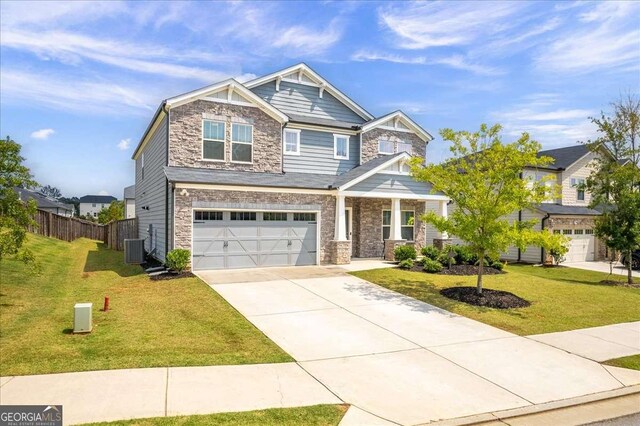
[
  {"x": 406, "y": 264},
  {"x": 404, "y": 252},
  {"x": 444, "y": 258},
  {"x": 497, "y": 265},
  {"x": 430, "y": 252},
  {"x": 464, "y": 256},
  {"x": 432, "y": 266},
  {"x": 178, "y": 259}
]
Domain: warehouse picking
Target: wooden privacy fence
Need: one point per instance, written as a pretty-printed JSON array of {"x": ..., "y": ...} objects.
[{"x": 70, "y": 228}]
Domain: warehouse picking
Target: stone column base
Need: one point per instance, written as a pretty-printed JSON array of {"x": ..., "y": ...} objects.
[
  {"x": 340, "y": 252},
  {"x": 441, "y": 243},
  {"x": 390, "y": 246}
]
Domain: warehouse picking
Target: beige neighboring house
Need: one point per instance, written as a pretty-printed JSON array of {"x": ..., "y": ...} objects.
[
  {"x": 283, "y": 170},
  {"x": 46, "y": 203},
  {"x": 130, "y": 202},
  {"x": 569, "y": 214},
  {"x": 92, "y": 204}
]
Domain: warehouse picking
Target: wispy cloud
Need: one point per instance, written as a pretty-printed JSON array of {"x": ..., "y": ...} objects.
[
  {"x": 303, "y": 39},
  {"x": 42, "y": 134},
  {"x": 366, "y": 55},
  {"x": 124, "y": 144}
]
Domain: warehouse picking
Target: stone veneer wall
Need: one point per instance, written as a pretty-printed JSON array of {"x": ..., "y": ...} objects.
[
  {"x": 183, "y": 211},
  {"x": 367, "y": 224},
  {"x": 370, "y": 143},
  {"x": 185, "y": 136}
]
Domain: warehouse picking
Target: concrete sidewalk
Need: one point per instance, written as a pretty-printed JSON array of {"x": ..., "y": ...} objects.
[
  {"x": 599, "y": 266},
  {"x": 96, "y": 396}
]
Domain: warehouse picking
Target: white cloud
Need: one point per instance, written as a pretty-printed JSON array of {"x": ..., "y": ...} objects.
[
  {"x": 42, "y": 134},
  {"x": 123, "y": 145},
  {"x": 304, "y": 40},
  {"x": 103, "y": 192},
  {"x": 365, "y": 55},
  {"x": 461, "y": 63}
]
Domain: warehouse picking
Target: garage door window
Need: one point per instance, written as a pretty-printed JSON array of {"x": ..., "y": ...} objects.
[
  {"x": 243, "y": 215},
  {"x": 588, "y": 231},
  {"x": 269, "y": 216},
  {"x": 567, "y": 231},
  {"x": 304, "y": 217},
  {"x": 241, "y": 143},
  {"x": 208, "y": 215},
  {"x": 556, "y": 231},
  {"x": 578, "y": 232}
]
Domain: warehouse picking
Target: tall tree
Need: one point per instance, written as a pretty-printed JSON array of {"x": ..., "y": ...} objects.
[
  {"x": 614, "y": 182},
  {"x": 115, "y": 211},
  {"x": 15, "y": 215},
  {"x": 484, "y": 180},
  {"x": 51, "y": 191}
]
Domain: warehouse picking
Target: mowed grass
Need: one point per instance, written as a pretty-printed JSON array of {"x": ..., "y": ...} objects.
[
  {"x": 632, "y": 362},
  {"x": 317, "y": 415},
  {"x": 561, "y": 298},
  {"x": 178, "y": 322}
]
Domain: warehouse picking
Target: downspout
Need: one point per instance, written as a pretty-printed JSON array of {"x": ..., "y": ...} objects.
[{"x": 544, "y": 219}]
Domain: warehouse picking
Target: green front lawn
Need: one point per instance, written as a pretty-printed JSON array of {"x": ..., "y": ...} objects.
[
  {"x": 562, "y": 298},
  {"x": 632, "y": 362},
  {"x": 151, "y": 323},
  {"x": 317, "y": 415}
]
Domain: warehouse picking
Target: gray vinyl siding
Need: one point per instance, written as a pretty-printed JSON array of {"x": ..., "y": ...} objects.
[
  {"x": 430, "y": 231},
  {"x": 302, "y": 99},
  {"x": 316, "y": 155},
  {"x": 533, "y": 254},
  {"x": 151, "y": 191},
  {"x": 391, "y": 183}
]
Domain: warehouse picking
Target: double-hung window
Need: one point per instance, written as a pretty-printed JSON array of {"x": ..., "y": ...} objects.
[
  {"x": 213, "y": 140},
  {"x": 241, "y": 143},
  {"x": 404, "y": 147},
  {"x": 385, "y": 147},
  {"x": 292, "y": 142},
  {"x": 340, "y": 147},
  {"x": 406, "y": 224},
  {"x": 579, "y": 185}
]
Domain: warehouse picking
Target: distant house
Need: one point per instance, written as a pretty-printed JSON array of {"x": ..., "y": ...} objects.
[
  {"x": 46, "y": 203},
  {"x": 92, "y": 204},
  {"x": 130, "y": 202}
]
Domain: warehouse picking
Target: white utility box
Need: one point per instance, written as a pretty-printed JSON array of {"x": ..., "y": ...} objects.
[{"x": 82, "y": 321}]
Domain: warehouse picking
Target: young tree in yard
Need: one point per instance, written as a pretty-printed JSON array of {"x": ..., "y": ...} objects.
[
  {"x": 484, "y": 180},
  {"x": 15, "y": 215},
  {"x": 614, "y": 183},
  {"x": 115, "y": 211}
]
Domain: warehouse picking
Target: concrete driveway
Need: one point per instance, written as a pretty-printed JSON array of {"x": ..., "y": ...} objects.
[
  {"x": 618, "y": 268},
  {"x": 400, "y": 359}
]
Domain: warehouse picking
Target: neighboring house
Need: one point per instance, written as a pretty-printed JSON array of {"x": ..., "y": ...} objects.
[
  {"x": 281, "y": 170},
  {"x": 569, "y": 214},
  {"x": 46, "y": 203},
  {"x": 130, "y": 202},
  {"x": 92, "y": 204}
]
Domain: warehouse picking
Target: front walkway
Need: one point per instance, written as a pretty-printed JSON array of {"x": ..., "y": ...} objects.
[
  {"x": 602, "y": 266},
  {"x": 401, "y": 359}
]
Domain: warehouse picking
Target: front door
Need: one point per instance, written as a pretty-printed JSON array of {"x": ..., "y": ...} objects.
[{"x": 348, "y": 218}]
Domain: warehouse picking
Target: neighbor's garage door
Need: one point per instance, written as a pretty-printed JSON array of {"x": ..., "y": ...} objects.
[
  {"x": 582, "y": 245},
  {"x": 242, "y": 239}
]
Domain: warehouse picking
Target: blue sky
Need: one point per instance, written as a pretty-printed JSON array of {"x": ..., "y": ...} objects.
[{"x": 80, "y": 81}]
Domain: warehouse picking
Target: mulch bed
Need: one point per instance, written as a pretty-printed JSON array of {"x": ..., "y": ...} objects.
[
  {"x": 461, "y": 270},
  {"x": 150, "y": 263},
  {"x": 489, "y": 298},
  {"x": 171, "y": 276}
]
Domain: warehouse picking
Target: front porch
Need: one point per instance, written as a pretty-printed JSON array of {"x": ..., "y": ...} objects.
[{"x": 371, "y": 227}]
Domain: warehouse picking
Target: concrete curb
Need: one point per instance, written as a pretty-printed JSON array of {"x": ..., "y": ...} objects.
[{"x": 539, "y": 408}]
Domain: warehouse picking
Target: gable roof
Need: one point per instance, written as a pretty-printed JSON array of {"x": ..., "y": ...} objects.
[
  {"x": 564, "y": 157},
  {"x": 315, "y": 79},
  {"x": 102, "y": 199},
  {"x": 42, "y": 200},
  {"x": 360, "y": 173},
  {"x": 398, "y": 115}
]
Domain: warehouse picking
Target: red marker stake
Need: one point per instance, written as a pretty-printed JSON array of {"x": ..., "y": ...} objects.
[{"x": 106, "y": 304}]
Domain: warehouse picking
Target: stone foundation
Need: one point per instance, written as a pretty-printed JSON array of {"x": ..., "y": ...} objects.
[
  {"x": 340, "y": 252},
  {"x": 441, "y": 243},
  {"x": 390, "y": 246}
]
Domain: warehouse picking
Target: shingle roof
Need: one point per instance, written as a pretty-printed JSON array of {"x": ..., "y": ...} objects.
[
  {"x": 362, "y": 169},
  {"x": 226, "y": 177},
  {"x": 297, "y": 118},
  {"x": 130, "y": 192},
  {"x": 97, "y": 199},
  {"x": 41, "y": 200},
  {"x": 558, "y": 209},
  {"x": 564, "y": 157}
]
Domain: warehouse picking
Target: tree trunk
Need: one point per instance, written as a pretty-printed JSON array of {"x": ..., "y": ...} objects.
[
  {"x": 629, "y": 268},
  {"x": 480, "y": 271}
]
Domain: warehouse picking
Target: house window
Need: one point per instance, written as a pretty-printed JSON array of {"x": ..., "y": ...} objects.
[
  {"x": 213, "y": 140},
  {"x": 588, "y": 231},
  {"x": 385, "y": 147},
  {"x": 406, "y": 224},
  {"x": 207, "y": 215},
  {"x": 579, "y": 185},
  {"x": 405, "y": 147},
  {"x": 578, "y": 232},
  {"x": 243, "y": 215},
  {"x": 277, "y": 216},
  {"x": 567, "y": 231},
  {"x": 241, "y": 143},
  {"x": 340, "y": 147},
  {"x": 292, "y": 142},
  {"x": 304, "y": 217},
  {"x": 93, "y": 205}
]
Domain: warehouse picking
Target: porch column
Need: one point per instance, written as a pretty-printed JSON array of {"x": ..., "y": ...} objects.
[
  {"x": 341, "y": 220},
  {"x": 395, "y": 233},
  {"x": 444, "y": 213}
]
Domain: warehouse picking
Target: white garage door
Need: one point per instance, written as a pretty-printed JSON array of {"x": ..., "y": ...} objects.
[
  {"x": 242, "y": 239},
  {"x": 582, "y": 245}
]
